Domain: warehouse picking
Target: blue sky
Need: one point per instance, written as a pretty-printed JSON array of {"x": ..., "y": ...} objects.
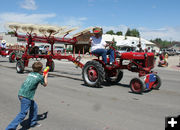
[{"x": 153, "y": 18}]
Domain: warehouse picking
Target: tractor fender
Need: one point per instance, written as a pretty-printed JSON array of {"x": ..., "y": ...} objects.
[{"x": 100, "y": 61}]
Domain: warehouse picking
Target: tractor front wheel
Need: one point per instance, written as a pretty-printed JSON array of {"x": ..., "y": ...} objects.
[
  {"x": 20, "y": 66},
  {"x": 137, "y": 85},
  {"x": 157, "y": 83},
  {"x": 93, "y": 73}
]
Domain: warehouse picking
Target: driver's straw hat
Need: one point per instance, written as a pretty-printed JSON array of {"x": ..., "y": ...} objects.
[
  {"x": 97, "y": 30},
  {"x": 3, "y": 41}
]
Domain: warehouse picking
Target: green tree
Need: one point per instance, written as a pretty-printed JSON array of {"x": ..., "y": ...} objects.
[
  {"x": 119, "y": 33},
  {"x": 114, "y": 44},
  {"x": 162, "y": 43},
  {"x": 110, "y": 32},
  {"x": 128, "y": 32},
  {"x": 133, "y": 32},
  {"x": 11, "y": 32}
]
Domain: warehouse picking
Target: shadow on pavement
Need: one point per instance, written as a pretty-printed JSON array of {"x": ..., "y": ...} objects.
[{"x": 25, "y": 123}]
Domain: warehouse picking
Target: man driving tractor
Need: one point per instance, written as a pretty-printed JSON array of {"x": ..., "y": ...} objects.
[{"x": 98, "y": 45}]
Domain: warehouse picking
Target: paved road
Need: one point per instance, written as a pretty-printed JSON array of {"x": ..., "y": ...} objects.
[{"x": 70, "y": 105}]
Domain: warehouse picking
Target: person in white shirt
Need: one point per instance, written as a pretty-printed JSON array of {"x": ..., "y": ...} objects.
[
  {"x": 3, "y": 44},
  {"x": 98, "y": 45}
]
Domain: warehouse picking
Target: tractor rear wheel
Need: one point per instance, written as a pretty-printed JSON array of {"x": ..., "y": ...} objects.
[
  {"x": 20, "y": 66},
  {"x": 157, "y": 83},
  {"x": 12, "y": 57},
  {"x": 137, "y": 85},
  {"x": 115, "y": 79},
  {"x": 93, "y": 73}
]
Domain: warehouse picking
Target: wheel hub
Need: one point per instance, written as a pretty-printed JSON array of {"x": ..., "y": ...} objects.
[
  {"x": 136, "y": 85},
  {"x": 13, "y": 57},
  {"x": 92, "y": 74}
]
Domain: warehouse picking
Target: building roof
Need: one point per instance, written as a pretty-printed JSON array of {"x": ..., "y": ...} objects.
[{"x": 123, "y": 40}]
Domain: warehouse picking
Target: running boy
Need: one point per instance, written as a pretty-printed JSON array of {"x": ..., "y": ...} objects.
[{"x": 26, "y": 95}]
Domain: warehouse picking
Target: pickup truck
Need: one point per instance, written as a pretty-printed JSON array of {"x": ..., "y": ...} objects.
[{"x": 170, "y": 52}]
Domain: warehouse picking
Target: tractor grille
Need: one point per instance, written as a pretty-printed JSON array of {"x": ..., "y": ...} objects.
[{"x": 150, "y": 62}]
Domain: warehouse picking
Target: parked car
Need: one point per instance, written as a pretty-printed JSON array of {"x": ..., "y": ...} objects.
[
  {"x": 43, "y": 49},
  {"x": 178, "y": 52},
  {"x": 170, "y": 52}
]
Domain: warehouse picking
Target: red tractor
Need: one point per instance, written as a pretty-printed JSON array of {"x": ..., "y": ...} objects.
[
  {"x": 12, "y": 53},
  {"x": 95, "y": 72}
]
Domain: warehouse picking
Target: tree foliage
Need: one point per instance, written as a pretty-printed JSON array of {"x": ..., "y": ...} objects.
[
  {"x": 119, "y": 33},
  {"x": 162, "y": 43},
  {"x": 114, "y": 44},
  {"x": 11, "y": 32},
  {"x": 133, "y": 32},
  {"x": 110, "y": 32}
]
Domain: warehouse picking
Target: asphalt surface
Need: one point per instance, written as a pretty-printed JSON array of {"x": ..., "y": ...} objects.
[{"x": 67, "y": 104}]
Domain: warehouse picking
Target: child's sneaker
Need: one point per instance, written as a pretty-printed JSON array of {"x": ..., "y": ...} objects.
[{"x": 36, "y": 125}]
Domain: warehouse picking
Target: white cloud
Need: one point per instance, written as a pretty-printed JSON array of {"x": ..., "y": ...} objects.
[
  {"x": 165, "y": 33},
  {"x": 29, "y": 5},
  {"x": 38, "y": 19},
  {"x": 73, "y": 21},
  {"x": 24, "y": 18},
  {"x": 122, "y": 28}
]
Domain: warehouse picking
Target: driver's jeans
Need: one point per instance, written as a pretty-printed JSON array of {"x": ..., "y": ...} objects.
[{"x": 104, "y": 53}]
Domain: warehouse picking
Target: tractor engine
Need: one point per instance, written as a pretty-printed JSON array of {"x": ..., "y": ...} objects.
[{"x": 137, "y": 61}]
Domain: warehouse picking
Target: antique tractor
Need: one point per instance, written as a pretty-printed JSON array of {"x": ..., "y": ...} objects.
[
  {"x": 95, "y": 72},
  {"x": 12, "y": 53}
]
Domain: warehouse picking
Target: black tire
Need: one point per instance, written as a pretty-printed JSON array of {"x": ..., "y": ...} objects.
[
  {"x": 12, "y": 57},
  {"x": 157, "y": 83},
  {"x": 20, "y": 66},
  {"x": 115, "y": 79},
  {"x": 93, "y": 74},
  {"x": 51, "y": 66},
  {"x": 137, "y": 85}
]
